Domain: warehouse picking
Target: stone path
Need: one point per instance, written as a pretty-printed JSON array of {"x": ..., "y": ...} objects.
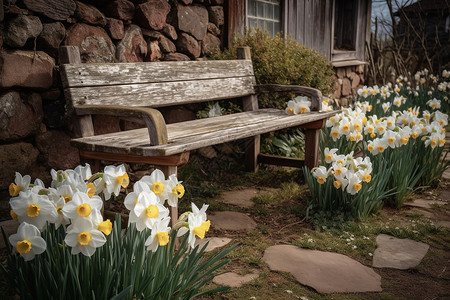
[
  {"x": 397, "y": 253},
  {"x": 214, "y": 243},
  {"x": 235, "y": 280},
  {"x": 231, "y": 220},
  {"x": 425, "y": 203},
  {"x": 326, "y": 272},
  {"x": 240, "y": 198}
]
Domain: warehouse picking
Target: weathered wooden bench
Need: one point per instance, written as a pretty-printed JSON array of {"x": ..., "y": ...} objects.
[{"x": 136, "y": 91}]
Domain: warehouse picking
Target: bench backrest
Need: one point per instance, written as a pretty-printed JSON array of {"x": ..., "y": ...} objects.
[{"x": 157, "y": 84}]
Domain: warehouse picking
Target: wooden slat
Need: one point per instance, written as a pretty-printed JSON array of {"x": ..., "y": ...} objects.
[
  {"x": 171, "y": 160},
  {"x": 221, "y": 129},
  {"x": 164, "y": 93},
  {"x": 80, "y": 75}
]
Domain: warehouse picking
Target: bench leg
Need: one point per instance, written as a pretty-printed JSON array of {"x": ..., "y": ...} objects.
[
  {"x": 252, "y": 149},
  {"x": 169, "y": 170},
  {"x": 312, "y": 148}
]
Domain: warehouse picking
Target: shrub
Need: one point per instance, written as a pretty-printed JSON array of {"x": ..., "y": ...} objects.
[{"x": 279, "y": 60}]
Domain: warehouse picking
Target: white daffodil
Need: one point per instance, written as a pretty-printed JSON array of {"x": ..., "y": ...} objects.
[
  {"x": 84, "y": 171},
  {"x": 321, "y": 174},
  {"x": 157, "y": 182},
  {"x": 433, "y": 140},
  {"x": 132, "y": 198},
  {"x": 292, "y": 108},
  {"x": 82, "y": 236},
  {"x": 176, "y": 190},
  {"x": 34, "y": 209},
  {"x": 114, "y": 178},
  {"x": 390, "y": 123},
  {"x": 404, "y": 134},
  {"x": 199, "y": 212},
  {"x": 61, "y": 219},
  {"x": 331, "y": 121},
  {"x": 303, "y": 104},
  {"x": 354, "y": 184},
  {"x": 434, "y": 104},
  {"x": 198, "y": 226},
  {"x": 147, "y": 211},
  {"x": 379, "y": 145},
  {"x": 329, "y": 154},
  {"x": 159, "y": 236},
  {"x": 81, "y": 206},
  {"x": 28, "y": 241},
  {"x": 335, "y": 132},
  {"x": 393, "y": 139},
  {"x": 20, "y": 184},
  {"x": 441, "y": 118}
]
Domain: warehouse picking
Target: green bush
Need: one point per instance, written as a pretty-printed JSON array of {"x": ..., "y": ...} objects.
[{"x": 279, "y": 60}]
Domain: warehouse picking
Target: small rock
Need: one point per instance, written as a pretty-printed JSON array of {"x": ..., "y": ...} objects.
[
  {"x": 213, "y": 243},
  {"x": 346, "y": 87},
  {"x": 170, "y": 31},
  {"x": 154, "y": 52},
  {"x": 188, "y": 45},
  {"x": 51, "y": 37},
  {"x": 18, "y": 30},
  {"x": 193, "y": 19},
  {"x": 120, "y": 9},
  {"x": 210, "y": 43},
  {"x": 230, "y": 220},
  {"x": 216, "y": 15},
  {"x": 115, "y": 28},
  {"x": 58, "y": 10},
  {"x": 423, "y": 203},
  {"x": 235, "y": 280},
  {"x": 132, "y": 48},
  {"x": 176, "y": 57},
  {"x": 397, "y": 253},
  {"x": 89, "y": 14},
  {"x": 208, "y": 152},
  {"x": 152, "y": 14},
  {"x": 240, "y": 198},
  {"x": 213, "y": 29},
  {"x": 166, "y": 45}
]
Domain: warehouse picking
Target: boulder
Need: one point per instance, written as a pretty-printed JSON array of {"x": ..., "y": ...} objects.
[
  {"x": 354, "y": 79},
  {"x": 153, "y": 34},
  {"x": 193, "y": 19},
  {"x": 89, "y": 14},
  {"x": 346, "y": 87},
  {"x": 26, "y": 69},
  {"x": 94, "y": 43},
  {"x": 19, "y": 117},
  {"x": 170, "y": 31},
  {"x": 17, "y": 157},
  {"x": 18, "y": 30},
  {"x": 166, "y": 45},
  {"x": 58, "y": 10},
  {"x": 176, "y": 57},
  {"x": 154, "y": 52},
  {"x": 152, "y": 14},
  {"x": 209, "y": 43},
  {"x": 51, "y": 37},
  {"x": 188, "y": 45},
  {"x": 115, "y": 28},
  {"x": 132, "y": 48},
  {"x": 120, "y": 9},
  {"x": 54, "y": 112},
  {"x": 55, "y": 146},
  {"x": 212, "y": 28},
  {"x": 216, "y": 15},
  {"x": 186, "y": 2}
]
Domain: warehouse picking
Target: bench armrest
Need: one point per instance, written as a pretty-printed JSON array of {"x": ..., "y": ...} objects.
[
  {"x": 314, "y": 94},
  {"x": 151, "y": 117}
]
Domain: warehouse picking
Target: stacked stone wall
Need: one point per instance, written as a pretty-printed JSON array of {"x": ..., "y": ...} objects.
[
  {"x": 347, "y": 82},
  {"x": 35, "y": 125}
]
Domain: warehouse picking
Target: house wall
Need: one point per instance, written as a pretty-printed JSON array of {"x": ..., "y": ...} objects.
[{"x": 35, "y": 126}]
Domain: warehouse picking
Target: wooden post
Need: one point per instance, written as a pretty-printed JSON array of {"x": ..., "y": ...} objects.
[
  {"x": 83, "y": 125},
  {"x": 312, "y": 131}
]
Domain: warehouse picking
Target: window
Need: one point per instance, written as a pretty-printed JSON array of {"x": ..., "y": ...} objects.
[
  {"x": 345, "y": 18},
  {"x": 264, "y": 14}
]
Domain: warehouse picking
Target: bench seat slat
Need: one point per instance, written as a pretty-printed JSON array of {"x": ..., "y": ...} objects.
[
  {"x": 184, "y": 138},
  {"x": 164, "y": 93},
  {"x": 80, "y": 75}
]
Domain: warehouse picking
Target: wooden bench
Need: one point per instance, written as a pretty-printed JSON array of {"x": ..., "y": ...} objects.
[{"x": 136, "y": 91}]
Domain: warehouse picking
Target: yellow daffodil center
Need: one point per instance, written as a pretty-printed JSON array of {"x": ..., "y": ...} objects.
[
  {"x": 332, "y": 119},
  {"x": 340, "y": 162},
  {"x": 405, "y": 121},
  {"x": 441, "y": 141},
  {"x": 329, "y": 156},
  {"x": 441, "y": 122},
  {"x": 380, "y": 149},
  {"x": 33, "y": 210},
  {"x": 357, "y": 186},
  {"x": 338, "y": 172},
  {"x": 123, "y": 180},
  {"x": 357, "y": 126},
  {"x": 346, "y": 127},
  {"x": 158, "y": 188},
  {"x": 303, "y": 109},
  {"x": 152, "y": 211},
  {"x": 178, "y": 190},
  {"x": 433, "y": 143},
  {"x": 202, "y": 229},
  {"x": 91, "y": 189},
  {"x": 84, "y": 238},
  {"x": 358, "y": 136},
  {"x": 381, "y": 129},
  {"x": 367, "y": 178},
  {"x": 364, "y": 120},
  {"x": 105, "y": 227},
  {"x": 414, "y": 135},
  {"x": 163, "y": 238},
  {"x": 59, "y": 209},
  {"x": 370, "y": 148},
  {"x": 14, "y": 189},
  {"x": 391, "y": 140},
  {"x": 377, "y": 121},
  {"x": 84, "y": 210},
  {"x": 412, "y": 123},
  {"x": 290, "y": 110},
  {"x": 404, "y": 140},
  {"x": 352, "y": 138},
  {"x": 424, "y": 130},
  {"x": 337, "y": 184},
  {"x": 335, "y": 133},
  {"x": 370, "y": 129},
  {"x": 369, "y": 108},
  {"x": 67, "y": 198},
  {"x": 321, "y": 180},
  {"x": 13, "y": 215},
  {"x": 372, "y": 135},
  {"x": 443, "y": 130},
  {"x": 23, "y": 246},
  {"x": 389, "y": 124}
]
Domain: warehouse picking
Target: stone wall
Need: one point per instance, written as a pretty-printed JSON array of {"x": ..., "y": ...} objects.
[
  {"x": 348, "y": 80},
  {"x": 35, "y": 127}
]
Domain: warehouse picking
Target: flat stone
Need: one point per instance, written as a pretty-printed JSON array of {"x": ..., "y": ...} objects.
[
  {"x": 398, "y": 253},
  {"x": 446, "y": 175},
  {"x": 444, "y": 196},
  {"x": 326, "y": 272},
  {"x": 424, "y": 203},
  {"x": 442, "y": 223},
  {"x": 240, "y": 198},
  {"x": 235, "y": 280},
  {"x": 231, "y": 220},
  {"x": 214, "y": 243}
]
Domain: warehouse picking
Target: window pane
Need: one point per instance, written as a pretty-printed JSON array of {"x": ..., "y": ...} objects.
[
  {"x": 276, "y": 12},
  {"x": 252, "y": 23},
  {"x": 268, "y": 11},
  {"x": 260, "y": 9},
  {"x": 251, "y": 7}
]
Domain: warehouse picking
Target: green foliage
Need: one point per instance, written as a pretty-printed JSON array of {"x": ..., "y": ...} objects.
[
  {"x": 289, "y": 144},
  {"x": 121, "y": 269},
  {"x": 279, "y": 60}
]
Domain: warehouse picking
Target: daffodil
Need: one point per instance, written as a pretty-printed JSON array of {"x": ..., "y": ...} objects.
[
  {"x": 28, "y": 241},
  {"x": 82, "y": 236},
  {"x": 34, "y": 209},
  {"x": 157, "y": 182},
  {"x": 354, "y": 184},
  {"x": 198, "y": 226},
  {"x": 176, "y": 190},
  {"x": 115, "y": 178},
  {"x": 132, "y": 198},
  {"x": 393, "y": 139},
  {"x": 329, "y": 154},
  {"x": 292, "y": 108},
  {"x": 434, "y": 103},
  {"x": 82, "y": 206},
  {"x": 159, "y": 236},
  {"x": 147, "y": 211},
  {"x": 20, "y": 184},
  {"x": 321, "y": 174}
]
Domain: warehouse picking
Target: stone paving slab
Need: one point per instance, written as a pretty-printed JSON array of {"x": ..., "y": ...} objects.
[
  {"x": 235, "y": 280},
  {"x": 240, "y": 198},
  {"x": 214, "y": 243},
  {"x": 231, "y": 220},
  {"x": 423, "y": 203},
  {"x": 326, "y": 272},
  {"x": 397, "y": 253}
]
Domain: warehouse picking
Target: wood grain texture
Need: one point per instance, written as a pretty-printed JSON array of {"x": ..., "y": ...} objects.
[
  {"x": 191, "y": 135},
  {"x": 108, "y": 74}
]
